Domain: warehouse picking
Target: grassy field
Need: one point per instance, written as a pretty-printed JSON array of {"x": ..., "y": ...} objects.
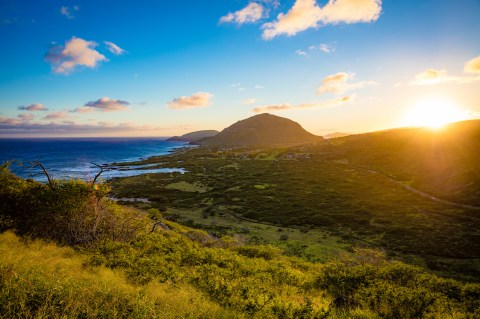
[
  {"x": 66, "y": 251},
  {"x": 41, "y": 280},
  {"x": 314, "y": 189},
  {"x": 312, "y": 245},
  {"x": 171, "y": 274}
]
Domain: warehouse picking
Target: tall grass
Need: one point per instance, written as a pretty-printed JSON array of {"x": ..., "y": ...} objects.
[{"x": 42, "y": 280}]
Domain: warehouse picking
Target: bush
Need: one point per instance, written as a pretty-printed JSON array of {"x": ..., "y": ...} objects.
[
  {"x": 394, "y": 289},
  {"x": 265, "y": 252},
  {"x": 70, "y": 211}
]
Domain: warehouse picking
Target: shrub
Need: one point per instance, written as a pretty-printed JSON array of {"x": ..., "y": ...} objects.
[
  {"x": 265, "y": 252},
  {"x": 71, "y": 211}
]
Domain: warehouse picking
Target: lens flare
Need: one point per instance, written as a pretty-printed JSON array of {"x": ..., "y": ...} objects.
[{"x": 434, "y": 113}]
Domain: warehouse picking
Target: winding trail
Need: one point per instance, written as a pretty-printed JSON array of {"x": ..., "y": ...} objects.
[{"x": 418, "y": 192}]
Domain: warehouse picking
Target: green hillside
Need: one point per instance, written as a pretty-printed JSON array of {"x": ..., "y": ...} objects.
[
  {"x": 373, "y": 189},
  {"x": 443, "y": 162},
  {"x": 92, "y": 258}
]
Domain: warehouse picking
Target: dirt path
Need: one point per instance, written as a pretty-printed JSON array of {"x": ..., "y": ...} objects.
[{"x": 419, "y": 192}]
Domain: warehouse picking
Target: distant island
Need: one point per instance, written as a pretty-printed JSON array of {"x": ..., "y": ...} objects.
[{"x": 193, "y": 137}]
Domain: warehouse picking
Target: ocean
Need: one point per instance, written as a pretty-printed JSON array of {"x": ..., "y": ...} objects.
[{"x": 68, "y": 158}]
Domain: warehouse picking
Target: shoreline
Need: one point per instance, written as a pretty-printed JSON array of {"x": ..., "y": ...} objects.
[{"x": 78, "y": 160}]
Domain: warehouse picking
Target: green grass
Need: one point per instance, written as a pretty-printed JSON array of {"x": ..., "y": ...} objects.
[
  {"x": 172, "y": 274},
  {"x": 316, "y": 192},
  {"x": 155, "y": 268},
  {"x": 188, "y": 187},
  {"x": 42, "y": 280},
  {"x": 263, "y": 186},
  {"x": 320, "y": 245}
]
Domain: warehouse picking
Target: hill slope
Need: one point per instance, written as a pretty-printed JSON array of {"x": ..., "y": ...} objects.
[
  {"x": 336, "y": 134},
  {"x": 359, "y": 186},
  {"x": 173, "y": 271},
  {"x": 444, "y": 163},
  {"x": 194, "y": 136},
  {"x": 263, "y": 129}
]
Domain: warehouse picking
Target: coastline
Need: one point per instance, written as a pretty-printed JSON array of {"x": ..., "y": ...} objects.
[{"x": 75, "y": 158}]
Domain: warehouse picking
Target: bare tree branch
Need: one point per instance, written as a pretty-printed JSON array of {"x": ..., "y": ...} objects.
[
  {"x": 35, "y": 164},
  {"x": 103, "y": 168}
]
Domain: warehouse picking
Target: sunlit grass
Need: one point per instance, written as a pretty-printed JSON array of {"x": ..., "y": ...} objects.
[
  {"x": 41, "y": 280},
  {"x": 188, "y": 187}
]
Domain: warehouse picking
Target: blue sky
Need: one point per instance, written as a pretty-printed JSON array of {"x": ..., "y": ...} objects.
[{"x": 158, "y": 68}]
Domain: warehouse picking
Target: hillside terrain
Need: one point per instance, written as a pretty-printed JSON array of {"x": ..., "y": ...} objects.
[
  {"x": 103, "y": 260},
  {"x": 443, "y": 162},
  {"x": 359, "y": 188},
  {"x": 263, "y": 129},
  {"x": 353, "y": 227}
]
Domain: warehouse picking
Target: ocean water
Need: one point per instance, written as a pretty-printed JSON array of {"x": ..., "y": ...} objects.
[{"x": 73, "y": 158}]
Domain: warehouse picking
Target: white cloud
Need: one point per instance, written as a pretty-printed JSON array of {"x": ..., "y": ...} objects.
[
  {"x": 326, "y": 48},
  {"x": 6, "y": 121},
  {"x": 431, "y": 76},
  {"x": 115, "y": 49},
  {"x": 318, "y": 104},
  {"x": 75, "y": 52},
  {"x": 26, "y": 117},
  {"x": 434, "y": 76},
  {"x": 472, "y": 66},
  {"x": 68, "y": 12},
  {"x": 303, "y": 15},
  {"x": 273, "y": 3},
  {"x": 33, "y": 107},
  {"x": 258, "y": 87},
  {"x": 339, "y": 83},
  {"x": 82, "y": 109},
  {"x": 238, "y": 86},
  {"x": 15, "y": 127},
  {"x": 351, "y": 11},
  {"x": 196, "y": 100},
  {"x": 56, "y": 116},
  {"x": 104, "y": 104},
  {"x": 301, "y": 53},
  {"x": 306, "y": 14},
  {"x": 250, "y": 14}
]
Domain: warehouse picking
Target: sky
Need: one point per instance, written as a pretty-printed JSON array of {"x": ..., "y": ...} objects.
[{"x": 162, "y": 68}]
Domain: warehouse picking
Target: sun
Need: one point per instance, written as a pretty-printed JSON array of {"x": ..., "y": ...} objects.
[{"x": 434, "y": 113}]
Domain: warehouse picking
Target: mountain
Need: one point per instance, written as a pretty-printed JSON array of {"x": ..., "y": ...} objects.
[
  {"x": 194, "y": 136},
  {"x": 263, "y": 129}
]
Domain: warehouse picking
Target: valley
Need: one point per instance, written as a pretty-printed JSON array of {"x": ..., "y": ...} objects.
[{"x": 342, "y": 189}]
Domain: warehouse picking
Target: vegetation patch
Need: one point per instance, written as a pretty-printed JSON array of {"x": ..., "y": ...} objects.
[
  {"x": 263, "y": 186},
  {"x": 340, "y": 188},
  {"x": 188, "y": 187},
  {"x": 42, "y": 280},
  {"x": 166, "y": 270}
]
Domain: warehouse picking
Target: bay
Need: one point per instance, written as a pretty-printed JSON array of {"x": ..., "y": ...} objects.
[{"x": 67, "y": 158}]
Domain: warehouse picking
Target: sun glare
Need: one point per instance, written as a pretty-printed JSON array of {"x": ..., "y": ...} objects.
[{"x": 434, "y": 113}]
